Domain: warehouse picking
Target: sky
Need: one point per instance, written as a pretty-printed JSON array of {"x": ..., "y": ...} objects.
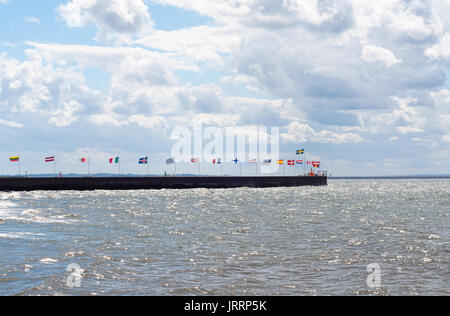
[{"x": 362, "y": 85}]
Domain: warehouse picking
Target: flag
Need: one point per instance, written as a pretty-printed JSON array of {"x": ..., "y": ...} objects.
[
  {"x": 300, "y": 152},
  {"x": 291, "y": 162},
  {"x": 195, "y": 160},
  {"x": 114, "y": 160},
  {"x": 235, "y": 161},
  {"x": 50, "y": 159},
  {"x": 316, "y": 164},
  {"x": 253, "y": 161},
  {"x": 143, "y": 161},
  {"x": 217, "y": 161},
  {"x": 14, "y": 159},
  {"x": 83, "y": 160},
  {"x": 170, "y": 161},
  {"x": 268, "y": 161},
  {"x": 299, "y": 162},
  {"x": 280, "y": 162}
]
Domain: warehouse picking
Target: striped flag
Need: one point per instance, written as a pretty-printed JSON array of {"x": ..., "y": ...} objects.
[
  {"x": 280, "y": 162},
  {"x": 114, "y": 160},
  {"x": 50, "y": 159},
  {"x": 195, "y": 160},
  {"x": 299, "y": 162},
  {"x": 143, "y": 161},
  {"x": 14, "y": 159},
  {"x": 217, "y": 161},
  {"x": 253, "y": 161}
]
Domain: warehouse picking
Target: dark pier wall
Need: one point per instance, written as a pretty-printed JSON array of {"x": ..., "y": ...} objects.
[{"x": 154, "y": 183}]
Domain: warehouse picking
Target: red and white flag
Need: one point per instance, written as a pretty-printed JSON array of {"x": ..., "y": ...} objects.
[
  {"x": 291, "y": 162},
  {"x": 50, "y": 159},
  {"x": 195, "y": 160}
]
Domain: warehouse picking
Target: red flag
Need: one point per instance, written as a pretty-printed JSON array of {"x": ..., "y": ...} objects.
[
  {"x": 291, "y": 162},
  {"x": 83, "y": 160}
]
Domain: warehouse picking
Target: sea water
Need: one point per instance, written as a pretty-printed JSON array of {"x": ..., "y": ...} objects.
[{"x": 276, "y": 241}]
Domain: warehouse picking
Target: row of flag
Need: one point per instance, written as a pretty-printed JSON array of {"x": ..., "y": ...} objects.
[
  {"x": 170, "y": 161},
  {"x": 316, "y": 164}
]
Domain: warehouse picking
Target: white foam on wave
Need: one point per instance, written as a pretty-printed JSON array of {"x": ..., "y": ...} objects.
[
  {"x": 20, "y": 235},
  {"x": 48, "y": 260},
  {"x": 7, "y": 209}
]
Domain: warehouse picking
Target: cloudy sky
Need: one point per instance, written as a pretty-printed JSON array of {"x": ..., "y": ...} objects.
[{"x": 362, "y": 85}]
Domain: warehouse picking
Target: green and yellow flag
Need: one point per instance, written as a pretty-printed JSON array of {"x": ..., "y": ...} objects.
[{"x": 14, "y": 159}]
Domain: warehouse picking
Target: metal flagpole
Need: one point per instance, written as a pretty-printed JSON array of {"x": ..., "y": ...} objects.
[
  {"x": 89, "y": 166},
  {"x": 54, "y": 167},
  {"x": 148, "y": 167},
  {"x": 20, "y": 173}
]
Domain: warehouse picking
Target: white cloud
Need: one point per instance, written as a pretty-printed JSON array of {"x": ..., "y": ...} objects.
[
  {"x": 300, "y": 132},
  {"x": 32, "y": 19},
  {"x": 409, "y": 130},
  {"x": 113, "y": 18},
  {"x": 10, "y": 124},
  {"x": 440, "y": 51},
  {"x": 446, "y": 138},
  {"x": 373, "y": 54}
]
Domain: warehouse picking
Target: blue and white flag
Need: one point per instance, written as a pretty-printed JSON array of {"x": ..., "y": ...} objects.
[{"x": 170, "y": 161}]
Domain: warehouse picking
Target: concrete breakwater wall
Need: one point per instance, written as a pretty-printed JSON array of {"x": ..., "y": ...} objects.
[{"x": 154, "y": 183}]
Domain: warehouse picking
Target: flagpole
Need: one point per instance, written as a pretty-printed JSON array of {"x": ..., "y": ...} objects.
[
  {"x": 89, "y": 166},
  {"x": 148, "y": 167},
  {"x": 54, "y": 167},
  {"x": 20, "y": 173}
]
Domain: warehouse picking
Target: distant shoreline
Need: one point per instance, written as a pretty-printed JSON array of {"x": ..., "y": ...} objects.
[{"x": 390, "y": 177}]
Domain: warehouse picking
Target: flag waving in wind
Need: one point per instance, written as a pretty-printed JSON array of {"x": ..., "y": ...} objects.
[
  {"x": 14, "y": 159},
  {"x": 50, "y": 159},
  {"x": 170, "y": 161},
  {"x": 143, "y": 161}
]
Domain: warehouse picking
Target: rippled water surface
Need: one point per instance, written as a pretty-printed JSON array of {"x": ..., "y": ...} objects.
[{"x": 283, "y": 241}]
